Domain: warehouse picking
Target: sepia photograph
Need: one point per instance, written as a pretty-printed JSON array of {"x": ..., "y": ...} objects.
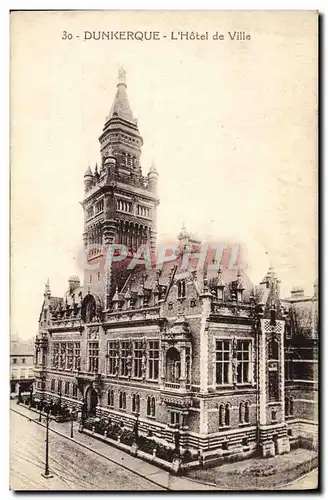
[{"x": 164, "y": 251}]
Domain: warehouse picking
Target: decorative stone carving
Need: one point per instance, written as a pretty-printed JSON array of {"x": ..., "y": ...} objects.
[{"x": 93, "y": 333}]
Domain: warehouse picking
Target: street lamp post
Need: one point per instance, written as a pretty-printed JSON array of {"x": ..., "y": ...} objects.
[
  {"x": 177, "y": 441},
  {"x": 136, "y": 427},
  {"x": 72, "y": 420},
  {"x": 31, "y": 395},
  {"x": 40, "y": 414},
  {"x": 46, "y": 473}
]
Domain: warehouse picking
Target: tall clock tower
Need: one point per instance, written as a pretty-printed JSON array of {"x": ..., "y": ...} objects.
[{"x": 119, "y": 202}]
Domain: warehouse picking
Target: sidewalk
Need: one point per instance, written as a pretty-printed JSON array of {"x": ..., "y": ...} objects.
[{"x": 151, "y": 472}]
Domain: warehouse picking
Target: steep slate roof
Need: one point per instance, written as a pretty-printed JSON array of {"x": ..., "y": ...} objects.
[
  {"x": 161, "y": 276},
  {"x": 121, "y": 106}
]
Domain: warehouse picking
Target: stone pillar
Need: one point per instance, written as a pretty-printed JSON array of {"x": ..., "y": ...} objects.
[
  {"x": 183, "y": 377},
  {"x": 163, "y": 365},
  {"x": 203, "y": 417},
  {"x": 283, "y": 445},
  {"x": 262, "y": 374},
  {"x": 268, "y": 449},
  {"x": 203, "y": 333}
]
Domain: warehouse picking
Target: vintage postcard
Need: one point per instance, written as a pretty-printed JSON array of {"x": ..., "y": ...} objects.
[{"x": 164, "y": 197}]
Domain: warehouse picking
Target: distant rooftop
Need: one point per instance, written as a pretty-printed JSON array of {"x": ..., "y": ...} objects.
[{"x": 21, "y": 348}]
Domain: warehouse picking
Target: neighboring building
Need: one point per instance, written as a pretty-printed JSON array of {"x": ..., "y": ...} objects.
[
  {"x": 196, "y": 351},
  {"x": 21, "y": 366},
  {"x": 301, "y": 365}
]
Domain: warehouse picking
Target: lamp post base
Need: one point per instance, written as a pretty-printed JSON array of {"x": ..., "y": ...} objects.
[{"x": 47, "y": 476}]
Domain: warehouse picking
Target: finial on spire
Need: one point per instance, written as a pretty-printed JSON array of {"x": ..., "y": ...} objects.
[
  {"x": 121, "y": 76},
  {"x": 47, "y": 290},
  {"x": 152, "y": 168},
  {"x": 88, "y": 172},
  {"x": 121, "y": 107}
]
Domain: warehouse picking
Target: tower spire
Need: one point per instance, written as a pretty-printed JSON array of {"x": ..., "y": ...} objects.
[
  {"x": 47, "y": 291},
  {"x": 121, "y": 80},
  {"x": 121, "y": 106}
]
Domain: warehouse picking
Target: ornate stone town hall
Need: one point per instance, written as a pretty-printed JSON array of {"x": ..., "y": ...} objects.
[{"x": 229, "y": 365}]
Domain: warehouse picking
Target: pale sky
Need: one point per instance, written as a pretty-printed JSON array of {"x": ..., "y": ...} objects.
[{"x": 231, "y": 127}]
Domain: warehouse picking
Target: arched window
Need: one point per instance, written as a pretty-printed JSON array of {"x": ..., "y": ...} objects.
[
  {"x": 151, "y": 406},
  {"x": 246, "y": 415},
  {"x": 110, "y": 397},
  {"x": 135, "y": 403},
  {"x": 88, "y": 311},
  {"x": 273, "y": 349},
  {"x": 67, "y": 388},
  {"x": 221, "y": 415},
  {"x": 122, "y": 400},
  {"x": 241, "y": 413},
  {"x": 227, "y": 415}
]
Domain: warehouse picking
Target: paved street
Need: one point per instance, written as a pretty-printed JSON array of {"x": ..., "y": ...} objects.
[
  {"x": 88, "y": 464},
  {"x": 72, "y": 466},
  {"x": 83, "y": 463},
  {"x": 307, "y": 482}
]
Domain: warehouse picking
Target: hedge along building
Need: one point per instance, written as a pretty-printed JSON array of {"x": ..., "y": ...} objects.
[{"x": 190, "y": 350}]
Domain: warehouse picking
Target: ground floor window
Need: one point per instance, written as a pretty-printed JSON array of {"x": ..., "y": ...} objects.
[
  {"x": 136, "y": 403},
  {"x": 244, "y": 412},
  {"x": 110, "y": 397},
  {"x": 151, "y": 406},
  {"x": 122, "y": 400},
  {"x": 224, "y": 415},
  {"x": 67, "y": 388},
  {"x": 175, "y": 418}
]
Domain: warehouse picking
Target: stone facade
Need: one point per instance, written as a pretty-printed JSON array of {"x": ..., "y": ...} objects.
[{"x": 194, "y": 351}]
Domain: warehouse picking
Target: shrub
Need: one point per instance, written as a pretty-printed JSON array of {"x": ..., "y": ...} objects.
[
  {"x": 88, "y": 425},
  {"x": 113, "y": 431},
  {"x": 145, "y": 444},
  {"x": 187, "y": 456},
  {"x": 101, "y": 426},
  {"x": 127, "y": 437},
  {"x": 164, "y": 453}
]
